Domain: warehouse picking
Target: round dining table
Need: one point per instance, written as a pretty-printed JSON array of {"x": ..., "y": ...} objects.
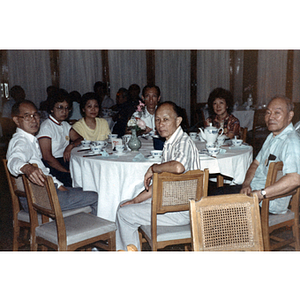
[{"x": 119, "y": 177}]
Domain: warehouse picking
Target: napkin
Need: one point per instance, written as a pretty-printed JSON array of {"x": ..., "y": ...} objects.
[
  {"x": 239, "y": 147},
  {"x": 139, "y": 157},
  {"x": 104, "y": 153}
]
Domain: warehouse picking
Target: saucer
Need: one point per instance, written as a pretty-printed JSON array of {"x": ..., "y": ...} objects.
[
  {"x": 151, "y": 158},
  {"x": 120, "y": 153}
]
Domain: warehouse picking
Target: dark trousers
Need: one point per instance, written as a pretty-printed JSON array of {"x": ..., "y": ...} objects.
[{"x": 226, "y": 189}]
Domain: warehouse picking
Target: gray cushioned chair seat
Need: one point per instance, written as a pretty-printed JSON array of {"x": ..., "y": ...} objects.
[
  {"x": 79, "y": 227},
  {"x": 279, "y": 218},
  {"x": 167, "y": 233},
  {"x": 24, "y": 216}
]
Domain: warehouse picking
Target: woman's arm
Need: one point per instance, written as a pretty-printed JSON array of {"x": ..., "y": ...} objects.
[
  {"x": 75, "y": 140},
  {"x": 45, "y": 144}
]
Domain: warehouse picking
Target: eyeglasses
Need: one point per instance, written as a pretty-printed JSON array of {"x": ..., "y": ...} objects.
[
  {"x": 61, "y": 108},
  {"x": 28, "y": 117}
]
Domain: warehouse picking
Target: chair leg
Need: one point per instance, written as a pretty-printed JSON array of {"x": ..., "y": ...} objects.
[
  {"x": 16, "y": 234},
  {"x": 220, "y": 180},
  {"x": 296, "y": 232}
]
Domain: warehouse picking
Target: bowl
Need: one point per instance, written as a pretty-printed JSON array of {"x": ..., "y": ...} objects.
[
  {"x": 156, "y": 153},
  {"x": 213, "y": 151},
  {"x": 236, "y": 142}
]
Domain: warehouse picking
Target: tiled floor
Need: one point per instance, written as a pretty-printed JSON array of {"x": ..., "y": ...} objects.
[{"x": 6, "y": 219}]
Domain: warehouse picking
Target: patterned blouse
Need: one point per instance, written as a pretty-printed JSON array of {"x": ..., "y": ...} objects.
[{"x": 230, "y": 124}]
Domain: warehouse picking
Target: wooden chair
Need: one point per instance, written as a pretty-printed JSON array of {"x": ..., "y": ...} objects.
[
  {"x": 226, "y": 223},
  {"x": 171, "y": 193},
  {"x": 271, "y": 222},
  {"x": 64, "y": 233},
  {"x": 243, "y": 133},
  {"x": 20, "y": 217}
]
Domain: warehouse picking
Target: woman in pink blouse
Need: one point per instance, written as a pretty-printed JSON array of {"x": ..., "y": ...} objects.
[{"x": 220, "y": 105}]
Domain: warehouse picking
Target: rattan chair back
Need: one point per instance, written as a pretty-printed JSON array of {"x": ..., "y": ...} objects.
[{"x": 226, "y": 223}]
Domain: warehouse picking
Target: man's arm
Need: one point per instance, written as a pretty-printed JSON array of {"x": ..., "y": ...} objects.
[
  {"x": 284, "y": 185},
  {"x": 246, "y": 189},
  {"x": 170, "y": 166}
]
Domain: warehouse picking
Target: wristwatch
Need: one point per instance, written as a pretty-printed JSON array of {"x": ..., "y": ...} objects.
[{"x": 263, "y": 193}]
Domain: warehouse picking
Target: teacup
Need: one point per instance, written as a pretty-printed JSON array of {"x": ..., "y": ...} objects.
[
  {"x": 221, "y": 140},
  {"x": 236, "y": 142},
  {"x": 193, "y": 135},
  {"x": 101, "y": 143},
  {"x": 112, "y": 136},
  {"x": 120, "y": 148},
  {"x": 208, "y": 146},
  {"x": 96, "y": 148},
  {"x": 156, "y": 153},
  {"x": 213, "y": 151},
  {"x": 85, "y": 143}
]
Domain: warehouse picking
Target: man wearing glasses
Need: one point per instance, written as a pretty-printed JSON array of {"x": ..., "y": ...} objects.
[{"x": 23, "y": 151}]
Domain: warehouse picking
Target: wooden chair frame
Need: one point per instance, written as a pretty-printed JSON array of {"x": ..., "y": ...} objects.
[
  {"x": 158, "y": 207},
  {"x": 272, "y": 177},
  {"x": 213, "y": 231},
  {"x": 15, "y": 193},
  {"x": 51, "y": 208}
]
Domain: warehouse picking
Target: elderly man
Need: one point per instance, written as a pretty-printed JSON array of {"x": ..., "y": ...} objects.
[
  {"x": 179, "y": 156},
  {"x": 24, "y": 150},
  {"x": 282, "y": 144}
]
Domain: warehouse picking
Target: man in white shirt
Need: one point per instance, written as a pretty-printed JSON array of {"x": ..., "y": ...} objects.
[
  {"x": 180, "y": 155},
  {"x": 151, "y": 97},
  {"x": 23, "y": 151}
]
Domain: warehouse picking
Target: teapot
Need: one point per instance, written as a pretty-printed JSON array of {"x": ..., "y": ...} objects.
[{"x": 210, "y": 134}]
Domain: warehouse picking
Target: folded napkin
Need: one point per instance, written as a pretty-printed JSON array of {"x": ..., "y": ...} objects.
[
  {"x": 139, "y": 157},
  {"x": 240, "y": 147}
]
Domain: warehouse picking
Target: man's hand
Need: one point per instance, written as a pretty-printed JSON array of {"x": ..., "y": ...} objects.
[
  {"x": 34, "y": 174},
  {"x": 246, "y": 190},
  {"x": 128, "y": 202}
]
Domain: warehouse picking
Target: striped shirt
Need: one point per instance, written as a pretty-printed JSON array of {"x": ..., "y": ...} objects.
[{"x": 180, "y": 147}]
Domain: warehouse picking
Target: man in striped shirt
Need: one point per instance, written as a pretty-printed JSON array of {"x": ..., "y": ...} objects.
[{"x": 179, "y": 156}]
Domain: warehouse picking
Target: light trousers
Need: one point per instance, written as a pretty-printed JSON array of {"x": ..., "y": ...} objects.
[{"x": 130, "y": 217}]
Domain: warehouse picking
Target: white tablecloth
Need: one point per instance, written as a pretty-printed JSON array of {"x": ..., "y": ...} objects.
[
  {"x": 245, "y": 117},
  {"x": 117, "y": 179}
]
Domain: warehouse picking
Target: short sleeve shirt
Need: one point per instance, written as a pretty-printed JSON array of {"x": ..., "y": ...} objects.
[
  {"x": 284, "y": 147},
  {"x": 58, "y": 133}
]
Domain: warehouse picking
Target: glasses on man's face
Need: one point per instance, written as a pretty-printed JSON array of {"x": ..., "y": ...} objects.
[
  {"x": 29, "y": 117},
  {"x": 61, "y": 108}
]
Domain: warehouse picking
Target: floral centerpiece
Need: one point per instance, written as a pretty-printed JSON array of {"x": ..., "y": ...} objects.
[{"x": 135, "y": 124}]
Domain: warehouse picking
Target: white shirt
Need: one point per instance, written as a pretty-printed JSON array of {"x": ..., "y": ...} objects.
[
  {"x": 24, "y": 148},
  {"x": 180, "y": 147},
  {"x": 107, "y": 102},
  {"x": 58, "y": 133}
]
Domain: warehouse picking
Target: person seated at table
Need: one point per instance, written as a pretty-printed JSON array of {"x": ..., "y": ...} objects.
[
  {"x": 57, "y": 138},
  {"x": 151, "y": 97},
  {"x": 91, "y": 127},
  {"x": 100, "y": 89},
  {"x": 179, "y": 156},
  {"x": 51, "y": 92},
  {"x": 24, "y": 151},
  {"x": 17, "y": 94},
  {"x": 125, "y": 107},
  {"x": 134, "y": 92},
  {"x": 282, "y": 144},
  {"x": 75, "y": 114},
  {"x": 220, "y": 106}
]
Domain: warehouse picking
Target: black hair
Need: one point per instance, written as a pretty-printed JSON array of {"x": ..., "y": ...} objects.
[
  {"x": 15, "y": 110},
  {"x": 221, "y": 94},
  {"x": 61, "y": 96},
  {"x": 85, "y": 98},
  {"x": 150, "y": 86}
]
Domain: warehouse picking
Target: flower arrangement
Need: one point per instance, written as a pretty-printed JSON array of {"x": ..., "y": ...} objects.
[{"x": 136, "y": 123}]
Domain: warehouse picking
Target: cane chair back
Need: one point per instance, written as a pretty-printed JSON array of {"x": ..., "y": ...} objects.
[
  {"x": 271, "y": 222},
  {"x": 226, "y": 223},
  {"x": 171, "y": 193},
  {"x": 64, "y": 233}
]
